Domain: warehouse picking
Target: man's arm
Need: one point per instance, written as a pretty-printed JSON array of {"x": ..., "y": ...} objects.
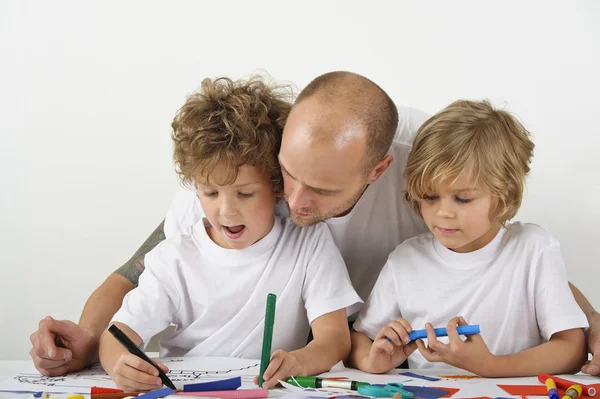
[
  {"x": 593, "y": 333},
  {"x": 61, "y": 346}
]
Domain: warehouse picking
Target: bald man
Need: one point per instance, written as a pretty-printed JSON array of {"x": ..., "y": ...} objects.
[{"x": 342, "y": 157}]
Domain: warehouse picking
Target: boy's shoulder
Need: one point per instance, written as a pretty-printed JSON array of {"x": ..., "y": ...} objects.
[
  {"x": 529, "y": 234},
  {"x": 291, "y": 231},
  {"x": 414, "y": 246},
  {"x": 171, "y": 251}
]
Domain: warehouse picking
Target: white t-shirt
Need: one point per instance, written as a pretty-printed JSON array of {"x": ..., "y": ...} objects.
[
  {"x": 216, "y": 297},
  {"x": 378, "y": 223},
  {"x": 515, "y": 288}
]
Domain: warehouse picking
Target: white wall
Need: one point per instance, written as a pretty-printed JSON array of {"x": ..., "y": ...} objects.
[{"x": 88, "y": 90}]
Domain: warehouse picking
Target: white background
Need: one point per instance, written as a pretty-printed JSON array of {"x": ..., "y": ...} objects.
[{"x": 88, "y": 91}]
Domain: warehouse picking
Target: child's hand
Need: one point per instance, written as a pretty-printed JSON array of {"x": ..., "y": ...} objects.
[
  {"x": 281, "y": 366},
  {"x": 131, "y": 373},
  {"x": 472, "y": 355},
  {"x": 385, "y": 355}
]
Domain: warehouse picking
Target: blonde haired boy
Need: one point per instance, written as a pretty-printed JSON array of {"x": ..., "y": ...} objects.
[
  {"x": 465, "y": 178},
  {"x": 212, "y": 281}
]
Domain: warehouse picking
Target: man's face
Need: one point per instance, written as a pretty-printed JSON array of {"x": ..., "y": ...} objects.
[{"x": 321, "y": 159}]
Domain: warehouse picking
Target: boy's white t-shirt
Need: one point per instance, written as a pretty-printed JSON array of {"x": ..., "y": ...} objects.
[
  {"x": 378, "y": 223},
  {"x": 216, "y": 297},
  {"x": 515, "y": 288}
]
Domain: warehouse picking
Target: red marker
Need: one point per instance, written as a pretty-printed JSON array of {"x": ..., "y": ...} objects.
[{"x": 566, "y": 384}]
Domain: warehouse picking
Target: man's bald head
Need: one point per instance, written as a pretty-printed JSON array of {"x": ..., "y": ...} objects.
[{"x": 358, "y": 101}]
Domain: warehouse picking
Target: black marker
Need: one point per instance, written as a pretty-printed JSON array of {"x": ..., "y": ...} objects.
[{"x": 132, "y": 348}]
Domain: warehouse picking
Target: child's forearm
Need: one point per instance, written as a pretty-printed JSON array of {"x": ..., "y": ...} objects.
[
  {"x": 564, "y": 353},
  {"x": 111, "y": 349},
  {"x": 321, "y": 354},
  {"x": 361, "y": 345},
  {"x": 331, "y": 344}
]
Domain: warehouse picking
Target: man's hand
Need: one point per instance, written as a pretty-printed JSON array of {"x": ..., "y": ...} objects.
[
  {"x": 281, "y": 366},
  {"x": 593, "y": 343},
  {"x": 61, "y": 346},
  {"x": 471, "y": 355}
]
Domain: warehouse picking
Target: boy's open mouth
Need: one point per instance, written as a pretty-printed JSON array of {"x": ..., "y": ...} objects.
[{"x": 234, "y": 231}]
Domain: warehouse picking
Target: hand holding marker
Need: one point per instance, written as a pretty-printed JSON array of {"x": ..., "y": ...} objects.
[{"x": 441, "y": 332}]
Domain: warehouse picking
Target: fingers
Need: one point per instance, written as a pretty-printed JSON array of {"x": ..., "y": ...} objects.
[
  {"x": 432, "y": 342},
  {"x": 592, "y": 367},
  {"x": 133, "y": 372},
  {"x": 410, "y": 348},
  {"x": 65, "y": 328},
  {"x": 396, "y": 332},
  {"x": 47, "y": 358},
  {"x": 402, "y": 328},
  {"x": 390, "y": 335},
  {"x": 451, "y": 331},
  {"x": 281, "y": 366},
  {"x": 383, "y": 345},
  {"x": 162, "y": 366},
  {"x": 274, "y": 364},
  {"x": 46, "y": 339}
]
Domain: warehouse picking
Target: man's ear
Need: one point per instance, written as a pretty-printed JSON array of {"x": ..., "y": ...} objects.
[{"x": 380, "y": 168}]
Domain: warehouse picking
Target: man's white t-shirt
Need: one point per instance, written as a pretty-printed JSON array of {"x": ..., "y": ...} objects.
[
  {"x": 378, "y": 223},
  {"x": 515, "y": 288},
  {"x": 216, "y": 297}
]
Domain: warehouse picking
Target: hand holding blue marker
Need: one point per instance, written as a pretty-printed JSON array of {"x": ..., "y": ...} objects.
[{"x": 441, "y": 332}]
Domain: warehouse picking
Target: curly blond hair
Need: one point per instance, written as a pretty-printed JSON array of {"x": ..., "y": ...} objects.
[
  {"x": 227, "y": 124},
  {"x": 471, "y": 138}
]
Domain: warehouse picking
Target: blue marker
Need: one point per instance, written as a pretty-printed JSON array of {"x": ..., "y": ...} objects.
[{"x": 441, "y": 332}]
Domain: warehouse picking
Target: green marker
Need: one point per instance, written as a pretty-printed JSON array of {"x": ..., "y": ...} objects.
[
  {"x": 316, "y": 382},
  {"x": 267, "y": 337}
]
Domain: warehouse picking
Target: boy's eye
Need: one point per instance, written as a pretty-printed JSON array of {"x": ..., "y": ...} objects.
[
  {"x": 245, "y": 195},
  {"x": 463, "y": 200},
  {"x": 210, "y": 193},
  {"x": 430, "y": 197}
]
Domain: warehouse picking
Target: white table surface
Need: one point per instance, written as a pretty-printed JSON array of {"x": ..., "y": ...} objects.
[{"x": 9, "y": 368}]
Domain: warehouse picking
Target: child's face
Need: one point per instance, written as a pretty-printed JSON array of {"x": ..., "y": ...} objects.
[
  {"x": 460, "y": 216},
  {"x": 240, "y": 213}
]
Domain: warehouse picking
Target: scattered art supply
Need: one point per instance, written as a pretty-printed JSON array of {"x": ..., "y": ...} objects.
[
  {"x": 113, "y": 395},
  {"x": 573, "y": 392},
  {"x": 551, "y": 387},
  {"x": 133, "y": 349},
  {"x": 316, "y": 382},
  {"x": 219, "y": 385},
  {"x": 588, "y": 390},
  {"x": 234, "y": 394},
  {"x": 426, "y": 392},
  {"x": 95, "y": 390},
  {"x": 156, "y": 394},
  {"x": 441, "y": 332},
  {"x": 386, "y": 391},
  {"x": 538, "y": 390},
  {"x": 267, "y": 337},
  {"x": 75, "y": 397},
  {"x": 423, "y": 377}
]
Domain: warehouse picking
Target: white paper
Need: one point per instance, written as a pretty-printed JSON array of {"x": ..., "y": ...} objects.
[{"x": 182, "y": 370}]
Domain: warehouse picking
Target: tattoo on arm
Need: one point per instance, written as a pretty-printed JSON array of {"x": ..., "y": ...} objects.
[{"x": 134, "y": 267}]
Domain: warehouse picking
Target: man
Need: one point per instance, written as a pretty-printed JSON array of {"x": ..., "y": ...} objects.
[{"x": 342, "y": 156}]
